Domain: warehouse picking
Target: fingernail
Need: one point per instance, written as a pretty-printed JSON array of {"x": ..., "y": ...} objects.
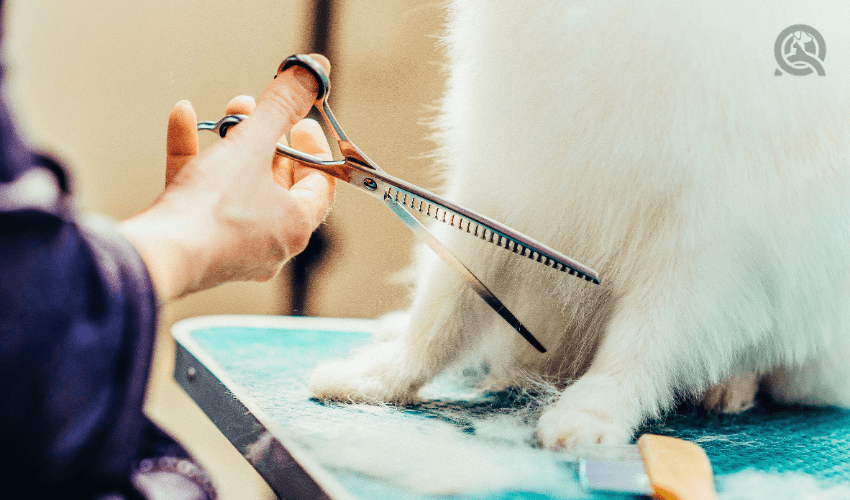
[{"x": 184, "y": 102}]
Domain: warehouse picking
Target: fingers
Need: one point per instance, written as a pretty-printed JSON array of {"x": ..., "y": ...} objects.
[
  {"x": 240, "y": 105},
  {"x": 181, "y": 144},
  {"x": 307, "y": 136},
  {"x": 244, "y": 105},
  {"x": 315, "y": 190},
  {"x": 283, "y": 103}
]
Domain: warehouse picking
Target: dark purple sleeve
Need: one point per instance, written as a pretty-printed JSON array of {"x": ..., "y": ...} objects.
[{"x": 77, "y": 327}]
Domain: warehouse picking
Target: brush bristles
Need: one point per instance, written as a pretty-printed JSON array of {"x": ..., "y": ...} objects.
[{"x": 475, "y": 229}]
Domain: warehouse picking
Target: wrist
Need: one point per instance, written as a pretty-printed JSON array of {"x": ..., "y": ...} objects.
[{"x": 172, "y": 251}]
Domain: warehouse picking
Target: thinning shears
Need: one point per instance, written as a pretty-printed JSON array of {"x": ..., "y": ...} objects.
[{"x": 359, "y": 171}]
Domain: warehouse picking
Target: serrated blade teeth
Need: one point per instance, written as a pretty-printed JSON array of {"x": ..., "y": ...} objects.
[{"x": 480, "y": 231}]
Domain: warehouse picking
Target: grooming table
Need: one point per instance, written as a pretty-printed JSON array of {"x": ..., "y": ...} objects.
[{"x": 249, "y": 375}]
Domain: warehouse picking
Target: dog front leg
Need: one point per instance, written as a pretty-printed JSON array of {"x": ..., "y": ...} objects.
[
  {"x": 407, "y": 354},
  {"x": 633, "y": 376}
]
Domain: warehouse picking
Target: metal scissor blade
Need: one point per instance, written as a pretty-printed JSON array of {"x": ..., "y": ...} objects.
[
  {"x": 380, "y": 184},
  {"x": 423, "y": 234}
]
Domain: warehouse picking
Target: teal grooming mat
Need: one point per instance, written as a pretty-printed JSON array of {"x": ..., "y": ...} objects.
[{"x": 249, "y": 375}]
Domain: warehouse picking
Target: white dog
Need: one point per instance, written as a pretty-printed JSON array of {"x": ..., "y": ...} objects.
[{"x": 663, "y": 144}]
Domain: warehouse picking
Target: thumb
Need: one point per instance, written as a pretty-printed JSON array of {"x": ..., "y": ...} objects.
[{"x": 282, "y": 104}]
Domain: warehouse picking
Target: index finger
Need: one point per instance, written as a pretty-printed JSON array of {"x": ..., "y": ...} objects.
[{"x": 181, "y": 143}]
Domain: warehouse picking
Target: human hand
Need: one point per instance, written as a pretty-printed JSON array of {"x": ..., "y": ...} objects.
[{"x": 236, "y": 211}]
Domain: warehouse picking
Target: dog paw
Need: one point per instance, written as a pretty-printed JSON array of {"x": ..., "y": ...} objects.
[
  {"x": 569, "y": 429},
  {"x": 363, "y": 380},
  {"x": 591, "y": 411},
  {"x": 733, "y": 395}
]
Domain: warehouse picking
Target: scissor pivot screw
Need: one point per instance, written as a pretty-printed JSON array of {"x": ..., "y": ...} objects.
[{"x": 370, "y": 184}]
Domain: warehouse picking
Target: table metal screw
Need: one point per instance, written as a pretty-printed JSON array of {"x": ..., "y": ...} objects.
[{"x": 370, "y": 184}]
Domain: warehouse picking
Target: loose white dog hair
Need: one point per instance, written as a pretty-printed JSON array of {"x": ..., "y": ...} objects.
[{"x": 661, "y": 144}]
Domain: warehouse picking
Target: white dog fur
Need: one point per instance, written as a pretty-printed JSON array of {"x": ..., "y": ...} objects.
[{"x": 653, "y": 142}]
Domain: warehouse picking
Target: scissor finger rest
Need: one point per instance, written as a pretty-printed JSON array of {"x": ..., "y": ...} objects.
[{"x": 222, "y": 126}]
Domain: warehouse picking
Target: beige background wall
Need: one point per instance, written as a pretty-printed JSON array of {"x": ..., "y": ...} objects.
[{"x": 93, "y": 82}]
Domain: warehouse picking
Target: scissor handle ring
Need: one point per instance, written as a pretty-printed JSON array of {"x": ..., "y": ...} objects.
[
  {"x": 315, "y": 69},
  {"x": 229, "y": 121}
]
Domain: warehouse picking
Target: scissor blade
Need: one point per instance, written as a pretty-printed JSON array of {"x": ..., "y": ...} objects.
[
  {"x": 381, "y": 184},
  {"x": 423, "y": 234}
]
